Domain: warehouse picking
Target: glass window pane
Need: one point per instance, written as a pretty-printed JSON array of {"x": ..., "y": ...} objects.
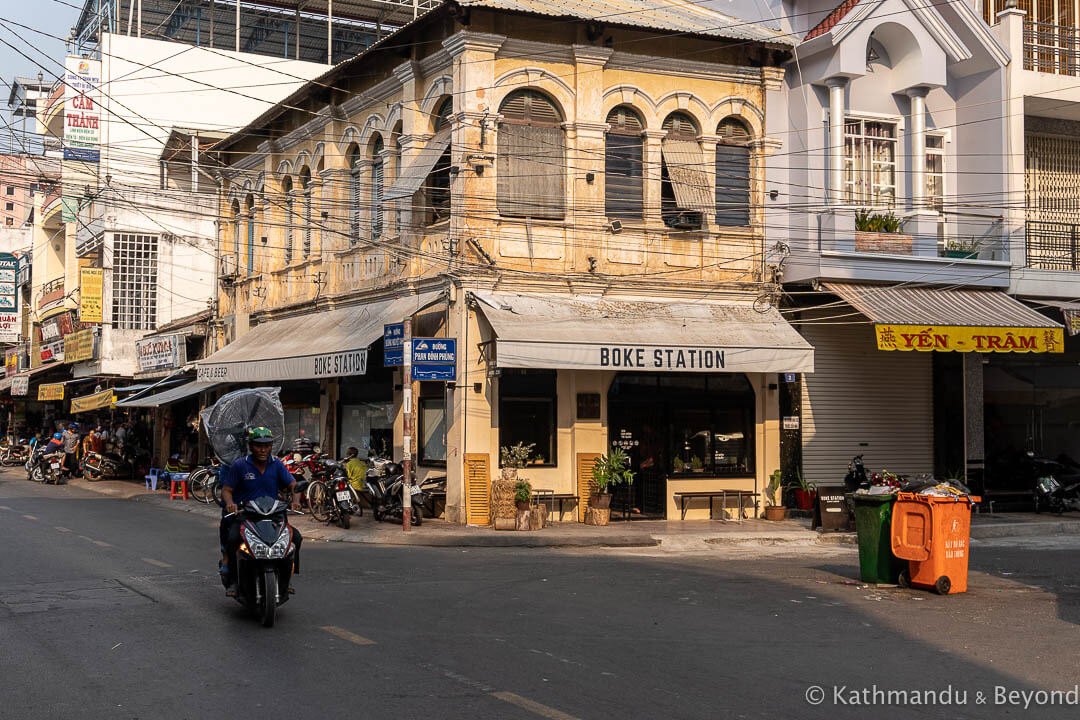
[
  {"x": 693, "y": 440},
  {"x": 433, "y": 430}
]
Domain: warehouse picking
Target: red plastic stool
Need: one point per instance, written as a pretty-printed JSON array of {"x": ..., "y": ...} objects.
[{"x": 181, "y": 480}]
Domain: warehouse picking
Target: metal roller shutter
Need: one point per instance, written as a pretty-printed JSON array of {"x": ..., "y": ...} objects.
[{"x": 861, "y": 400}]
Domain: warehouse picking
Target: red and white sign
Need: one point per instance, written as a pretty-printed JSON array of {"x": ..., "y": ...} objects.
[{"x": 161, "y": 353}]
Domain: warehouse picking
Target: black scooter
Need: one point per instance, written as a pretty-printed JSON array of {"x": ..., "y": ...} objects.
[
  {"x": 45, "y": 467},
  {"x": 385, "y": 492},
  {"x": 266, "y": 557}
]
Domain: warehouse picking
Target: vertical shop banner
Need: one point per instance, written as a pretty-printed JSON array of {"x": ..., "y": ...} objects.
[
  {"x": 20, "y": 385},
  {"x": 69, "y": 209},
  {"x": 90, "y": 294},
  {"x": 1072, "y": 321},
  {"x": 9, "y": 298},
  {"x": 11, "y": 362},
  {"x": 82, "y": 118},
  {"x": 393, "y": 344}
]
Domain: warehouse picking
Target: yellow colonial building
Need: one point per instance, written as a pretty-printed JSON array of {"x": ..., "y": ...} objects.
[{"x": 574, "y": 196}]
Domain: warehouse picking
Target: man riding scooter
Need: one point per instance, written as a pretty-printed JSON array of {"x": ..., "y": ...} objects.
[{"x": 257, "y": 475}]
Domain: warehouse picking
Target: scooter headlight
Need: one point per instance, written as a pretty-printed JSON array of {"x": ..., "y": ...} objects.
[
  {"x": 257, "y": 547},
  {"x": 281, "y": 545}
]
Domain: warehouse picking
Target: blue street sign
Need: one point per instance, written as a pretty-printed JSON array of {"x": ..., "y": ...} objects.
[
  {"x": 789, "y": 377},
  {"x": 393, "y": 344},
  {"x": 434, "y": 359}
]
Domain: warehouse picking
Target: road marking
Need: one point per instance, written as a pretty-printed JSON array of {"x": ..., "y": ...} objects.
[
  {"x": 156, "y": 563},
  {"x": 102, "y": 543},
  {"x": 30, "y": 517},
  {"x": 4, "y": 507},
  {"x": 61, "y": 529},
  {"x": 532, "y": 706},
  {"x": 346, "y": 635}
]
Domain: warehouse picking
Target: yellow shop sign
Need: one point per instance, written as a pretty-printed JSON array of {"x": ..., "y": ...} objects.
[
  {"x": 950, "y": 338},
  {"x": 51, "y": 392}
]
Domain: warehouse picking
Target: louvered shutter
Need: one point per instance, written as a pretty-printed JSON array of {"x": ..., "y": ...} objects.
[
  {"x": 251, "y": 242},
  {"x": 477, "y": 489},
  {"x": 376, "y": 199},
  {"x": 623, "y": 166},
  {"x": 732, "y": 185},
  {"x": 354, "y": 206},
  {"x": 307, "y": 222},
  {"x": 290, "y": 221},
  {"x": 680, "y": 125},
  {"x": 585, "y": 483},
  {"x": 531, "y": 171}
]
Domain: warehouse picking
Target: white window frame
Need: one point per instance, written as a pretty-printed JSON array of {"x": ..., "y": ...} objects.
[
  {"x": 134, "y": 281},
  {"x": 936, "y": 152},
  {"x": 868, "y": 193}
]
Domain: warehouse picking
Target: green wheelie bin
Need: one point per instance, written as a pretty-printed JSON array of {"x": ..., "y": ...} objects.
[{"x": 873, "y": 523}]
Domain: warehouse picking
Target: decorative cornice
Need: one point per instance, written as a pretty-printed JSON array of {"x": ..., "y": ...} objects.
[
  {"x": 406, "y": 71},
  {"x": 464, "y": 40},
  {"x": 253, "y": 160},
  {"x": 305, "y": 132},
  {"x": 772, "y": 77},
  {"x": 435, "y": 62},
  {"x": 725, "y": 72},
  {"x": 591, "y": 55},
  {"x": 375, "y": 94},
  {"x": 767, "y": 144},
  {"x": 518, "y": 49},
  {"x": 587, "y": 127}
]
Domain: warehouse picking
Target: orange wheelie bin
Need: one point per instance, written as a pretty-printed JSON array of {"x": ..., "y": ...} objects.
[{"x": 933, "y": 534}]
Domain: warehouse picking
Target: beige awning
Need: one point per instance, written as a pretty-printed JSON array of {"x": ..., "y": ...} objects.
[
  {"x": 168, "y": 396},
  {"x": 950, "y": 319},
  {"x": 412, "y": 178},
  {"x": 686, "y": 170},
  {"x": 640, "y": 334},
  {"x": 94, "y": 401},
  {"x": 311, "y": 346}
]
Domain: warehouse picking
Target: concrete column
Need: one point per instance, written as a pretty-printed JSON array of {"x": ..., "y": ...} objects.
[
  {"x": 836, "y": 139},
  {"x": 917, "y": 143},
  {"x": 974, "y": 442}
]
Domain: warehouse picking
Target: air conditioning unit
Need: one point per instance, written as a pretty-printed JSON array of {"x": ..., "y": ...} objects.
[
  {"x": 228, "y": 268},
  {"x": 687, "y": 220}
]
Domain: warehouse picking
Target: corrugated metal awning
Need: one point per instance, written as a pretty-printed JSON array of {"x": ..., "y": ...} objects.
[
  {"x": 640, "y": 334},
  {"x": 312, "y": 346},
  {"x": 169, "y": 396},
  {"x": 900, "y": 305},
  {"x": 686, "y": 170},
  {"x": 413, "y": 177}
]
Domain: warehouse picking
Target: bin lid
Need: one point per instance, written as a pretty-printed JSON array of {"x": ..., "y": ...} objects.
[{"x": 864, "y": 499}]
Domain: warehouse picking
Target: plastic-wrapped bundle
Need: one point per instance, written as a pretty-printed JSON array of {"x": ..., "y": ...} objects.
[{"x": 228, "y": 420}]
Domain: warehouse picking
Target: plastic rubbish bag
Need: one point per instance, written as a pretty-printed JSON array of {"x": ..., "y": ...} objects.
[{"x": 227, "y": 421}]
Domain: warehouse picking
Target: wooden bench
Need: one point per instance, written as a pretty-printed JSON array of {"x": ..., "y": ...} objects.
[
  {"x": 540, "y": 495},
  {"x": 741, "y": 495}
]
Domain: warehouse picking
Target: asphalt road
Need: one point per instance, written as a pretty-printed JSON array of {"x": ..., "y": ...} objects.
[{"x": 112, "y": 609}]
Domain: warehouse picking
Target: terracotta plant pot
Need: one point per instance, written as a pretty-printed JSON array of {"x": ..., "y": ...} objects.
[
  {"x": 775, "y": 512},
  {"x": 804, "y": 499},
  {"x": 601, "y": 501},
  {"x": 522, "y": 504}
]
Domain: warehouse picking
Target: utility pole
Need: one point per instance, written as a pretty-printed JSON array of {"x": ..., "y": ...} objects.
[{"x": 407, "y": 428}]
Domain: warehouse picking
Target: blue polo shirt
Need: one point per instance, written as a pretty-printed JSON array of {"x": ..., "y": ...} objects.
[{"x": 248, "y": 483}]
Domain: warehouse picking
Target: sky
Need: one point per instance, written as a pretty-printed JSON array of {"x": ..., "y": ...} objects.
[{"x": 53, "y": 16}]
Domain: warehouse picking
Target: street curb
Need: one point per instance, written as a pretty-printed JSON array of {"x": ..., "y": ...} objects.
[
  {"x": 777, "y": 540},
  {"x": 1025, "y": 529}
]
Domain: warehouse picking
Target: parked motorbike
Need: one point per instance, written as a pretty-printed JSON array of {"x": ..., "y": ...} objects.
[
  {"x": 97, "y": 466},
  {"x": 45, "y": 467},
  {"x": 385, "y": 492},
  {"x": 342, "y": 501},
  {"x": 265, "y": 559},
  {"x": 1053, "y": 489},
  {"x": 14, "y": 454}
]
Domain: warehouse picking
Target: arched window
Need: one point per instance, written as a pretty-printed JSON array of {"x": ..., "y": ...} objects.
[
  {"x": 531, "y": 165},
  {"x": 290, "y": 218},
  {"x": 377, "y": 163},
  {"x": 623, "y": 176},
  {"x": 236, "y": 234},
  {"x": 733, "y": 173},
  {"x": 438, "y": 180},
  {"x": 684, "y": 184},
  {"x": 306, "y": 189},
  {"x": 250, "y": 234},
  {"x": 354, "y": 195}
]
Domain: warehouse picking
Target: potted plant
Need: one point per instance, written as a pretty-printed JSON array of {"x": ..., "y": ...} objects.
[
  {"x": 878, "y": 232},
  {"x": 961, "y": 249},
  {"x": 523, "y": 495},
  {"x": 608, "y": 470},
  {"x": 513, "y": 458},
  {"x": 805, "y": 492},
  {"x": 774, "y": 510}
]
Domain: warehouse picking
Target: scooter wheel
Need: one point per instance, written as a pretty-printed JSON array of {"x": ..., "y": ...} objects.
[
  {"x": 343, "y": 520},
  {"x": 905, "y": 578},
  {"x": 377, "y": 514},
  {"x": 943, "y": 585}
]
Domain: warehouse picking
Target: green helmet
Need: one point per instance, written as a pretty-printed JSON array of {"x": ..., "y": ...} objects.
[{"x": 260, "y": 435}]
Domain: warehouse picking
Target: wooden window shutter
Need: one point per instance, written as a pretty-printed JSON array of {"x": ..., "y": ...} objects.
[
  {"x": 624, "y": 120},
  {"x": 307, "y": 221},
  {"x": 732, "y": 185},
  {"x": 679, "y": 125},
  {"x": 354, "y": 208},
  {"x": 376, "y": 199},
  {"x": 530, "y": 171},
  {"x": 733, "y": 130},
  {"x": 477, "y": 489},
  {"x": 586, "y": 484}
]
